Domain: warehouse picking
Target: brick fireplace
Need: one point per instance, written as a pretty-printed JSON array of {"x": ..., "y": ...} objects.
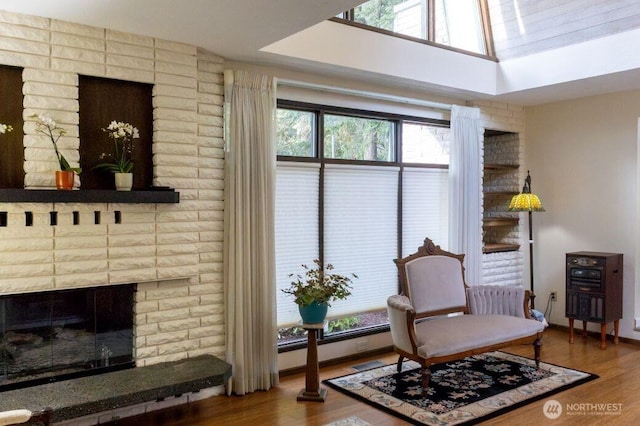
[{"x": 172, "y": 251}]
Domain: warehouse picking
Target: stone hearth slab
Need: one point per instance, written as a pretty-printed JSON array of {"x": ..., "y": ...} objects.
[{"x": 83, "y": 396}]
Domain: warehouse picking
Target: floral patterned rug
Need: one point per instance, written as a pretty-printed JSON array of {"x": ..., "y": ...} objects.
[{"x": 460, "y": 392}]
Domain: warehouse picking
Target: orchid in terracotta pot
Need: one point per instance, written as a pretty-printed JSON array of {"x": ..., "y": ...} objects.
[
  {"x": 48, "y": 127},
  {"x": 315, "y": 290},
  {"x": 45, "y": 125}
]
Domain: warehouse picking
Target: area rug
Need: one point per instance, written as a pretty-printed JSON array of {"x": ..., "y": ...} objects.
[
  {"x": 349, "y": 421},
  {"x": 460, "y": 392}
]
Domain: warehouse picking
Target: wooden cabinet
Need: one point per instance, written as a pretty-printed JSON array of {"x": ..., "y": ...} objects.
[{"x": 594, "y": 291}]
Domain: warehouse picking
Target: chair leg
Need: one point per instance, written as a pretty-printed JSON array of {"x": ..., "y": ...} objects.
[
  {"x": 400, "y": 359},
  {"x": 426, "y": 376},
  {"x": 536, "y": 350}
]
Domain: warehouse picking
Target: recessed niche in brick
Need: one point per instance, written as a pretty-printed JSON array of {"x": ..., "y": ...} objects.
[
  {"x": 102, "y": 100},
  {"x": 117, "y": 216},
  {"x": 96, "y": 217},
  {"x": 12, "y": 157},
  {"x": 76, "y": 218},
  {"x": 28, "y": 218},
  {"x": 53, "y": 218},
  {"x": 3, "y": 219}
]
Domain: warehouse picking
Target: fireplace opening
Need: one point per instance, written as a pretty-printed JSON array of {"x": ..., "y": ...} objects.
[{"x": 57, "y": 335}]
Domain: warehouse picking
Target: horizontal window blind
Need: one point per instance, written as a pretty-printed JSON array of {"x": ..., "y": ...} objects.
[
  {"x": 296, "y": 226},
  {"x": 425, "y": 207},
  {"x": 360, "y": 217}
]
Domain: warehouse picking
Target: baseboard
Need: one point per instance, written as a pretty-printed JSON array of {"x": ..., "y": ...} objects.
[
  {"x": 595, "y": 334},
  {"x": 355, "y": 357}
]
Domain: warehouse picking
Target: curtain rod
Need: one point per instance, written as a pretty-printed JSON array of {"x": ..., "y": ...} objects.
[{"x": 365, "y": 94}]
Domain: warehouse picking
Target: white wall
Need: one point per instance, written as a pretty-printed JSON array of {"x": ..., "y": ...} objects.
[{"x": 583, "y": 159}]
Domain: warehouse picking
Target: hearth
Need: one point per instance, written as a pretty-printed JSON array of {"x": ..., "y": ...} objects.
[{"x": 56, "y": 335}]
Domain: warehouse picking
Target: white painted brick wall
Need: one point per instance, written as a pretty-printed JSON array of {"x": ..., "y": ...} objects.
[
  {"x": 182, "y": 243},
  {"x": 504, "y": 268}
]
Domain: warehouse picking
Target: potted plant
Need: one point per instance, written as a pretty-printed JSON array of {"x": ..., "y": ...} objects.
[
  {"x": 48, "y": 127},
  {"x": 4, "y": 128},
  {"x": 314, "y": 291},
  {"x": 121, "y": 164}
]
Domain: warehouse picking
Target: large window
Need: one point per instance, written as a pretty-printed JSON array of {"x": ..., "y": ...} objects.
[
  {"x": 356, "y": 189},
  {"x": 456, "y": 23}
]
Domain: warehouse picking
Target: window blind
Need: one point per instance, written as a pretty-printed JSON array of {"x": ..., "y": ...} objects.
[
  {"x": 296, "y": 225},
  {"x": 360, "y": 217},
  {"x": 425, "y": 201}
]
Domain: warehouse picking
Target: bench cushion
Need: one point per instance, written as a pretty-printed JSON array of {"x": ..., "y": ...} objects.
[{"x": 443, "y": 336}]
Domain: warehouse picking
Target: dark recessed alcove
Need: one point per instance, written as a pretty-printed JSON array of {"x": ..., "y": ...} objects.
[
  {"x": 11, "y": 146},
  {"x": 101, "y": 101}
]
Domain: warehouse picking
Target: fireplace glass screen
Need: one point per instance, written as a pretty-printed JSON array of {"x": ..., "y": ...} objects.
[{"x": 63, "y": 334}]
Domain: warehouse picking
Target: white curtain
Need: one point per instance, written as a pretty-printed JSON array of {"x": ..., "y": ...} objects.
[
  {"x": 465, "y": 189},
  {"x": 249, "y": 238}
]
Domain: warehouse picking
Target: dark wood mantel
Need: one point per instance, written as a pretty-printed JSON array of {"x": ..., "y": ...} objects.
[{"x": 159, "y": 195}]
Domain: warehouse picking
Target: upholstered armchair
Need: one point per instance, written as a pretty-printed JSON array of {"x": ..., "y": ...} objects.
[{"x": 437, "y": 318}]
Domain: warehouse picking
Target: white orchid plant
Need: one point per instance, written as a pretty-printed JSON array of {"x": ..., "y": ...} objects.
[
  {"x": 5, "y": 128},
  {"x": 47, "y": 126},
  {"x": 123, "y": 135}
]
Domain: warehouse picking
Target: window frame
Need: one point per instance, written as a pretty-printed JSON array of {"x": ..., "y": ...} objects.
[
  {"x": 397, "y": 119},
  {"x": 485, "y": 21}
]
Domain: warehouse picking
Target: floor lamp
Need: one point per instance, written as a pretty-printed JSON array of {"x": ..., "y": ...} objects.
[{"x": 527, "y": 202}]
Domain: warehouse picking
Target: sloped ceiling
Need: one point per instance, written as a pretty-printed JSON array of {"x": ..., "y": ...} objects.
[{"x": 278, "y": 32}]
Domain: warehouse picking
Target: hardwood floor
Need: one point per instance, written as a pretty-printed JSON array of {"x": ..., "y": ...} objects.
[{"x": 618, "y": 367}]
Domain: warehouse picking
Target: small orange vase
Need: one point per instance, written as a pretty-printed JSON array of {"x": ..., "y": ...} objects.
[{"x": 64, "y": 179}]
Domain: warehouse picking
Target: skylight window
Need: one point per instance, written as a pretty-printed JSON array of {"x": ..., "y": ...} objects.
[{"x": 459, "y": 24}]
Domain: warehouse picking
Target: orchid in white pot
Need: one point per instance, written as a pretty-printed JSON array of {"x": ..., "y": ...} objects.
[{"x": 123, "y": 135}]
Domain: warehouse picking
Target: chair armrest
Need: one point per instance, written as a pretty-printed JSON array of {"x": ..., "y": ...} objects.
[
  {"x": 402, "y": 323},
  {"x": 527, "y": 305},
  {"x": 497, "y": 300},
  {"x": 12, "y": 417}
]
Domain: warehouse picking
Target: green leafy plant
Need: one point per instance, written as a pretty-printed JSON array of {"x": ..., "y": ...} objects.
[
  {"x": 319, "y": 285},
  {"x": 48, "y": 127},
  {"x": 342, "y": 324},
  {"x": 123, "y": 135}
]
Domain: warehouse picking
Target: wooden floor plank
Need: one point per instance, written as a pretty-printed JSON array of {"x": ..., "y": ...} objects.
[{"x": 618, "y": 367}]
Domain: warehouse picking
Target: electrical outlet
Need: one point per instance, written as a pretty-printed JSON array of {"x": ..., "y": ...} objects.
[
  {"x": 362, "y": 346},
  {"x": 554, "y": 296}
]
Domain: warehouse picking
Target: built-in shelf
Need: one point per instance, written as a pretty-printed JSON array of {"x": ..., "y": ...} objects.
[
  {"x": 499, "y": 226},
  {"x": 500, "y": 221},
  {"x": 498, "y": 247},
  {"x": 499, "y": 167},
  {"x": 500, "y": 193},
  {"x": 159, "y": 195}
]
